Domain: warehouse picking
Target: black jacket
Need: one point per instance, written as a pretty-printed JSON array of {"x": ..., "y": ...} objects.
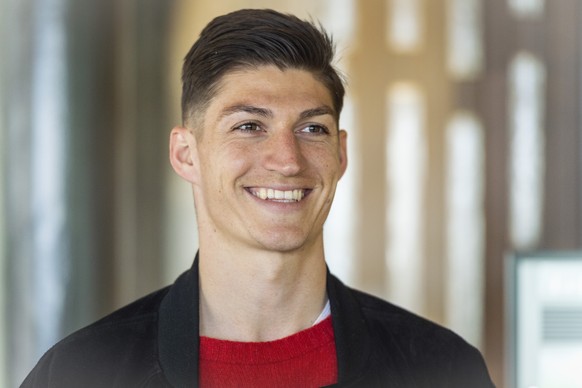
[{"x": 153, "y": 342}]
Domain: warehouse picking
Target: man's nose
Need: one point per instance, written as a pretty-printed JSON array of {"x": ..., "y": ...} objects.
[{"x": 282, "y": 153}]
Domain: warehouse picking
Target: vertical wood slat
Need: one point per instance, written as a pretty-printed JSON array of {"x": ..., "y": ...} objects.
[
  {"x": 20, "y": 340},
  {"x": 141, "y": 134},
  {"x": 499, "y": 36},
  {"x": 439, "y": 89},
  {"x": 563, "y": 170},
  {"x": 368, "y": 79}
]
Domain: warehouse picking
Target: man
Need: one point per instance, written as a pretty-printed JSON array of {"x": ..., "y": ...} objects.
[{"x": 261, "y": 147}]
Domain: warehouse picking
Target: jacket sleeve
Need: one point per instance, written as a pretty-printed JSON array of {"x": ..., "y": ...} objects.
[
  {"x": 40, "y": 374},
  {"x": 469, "y": 369}
]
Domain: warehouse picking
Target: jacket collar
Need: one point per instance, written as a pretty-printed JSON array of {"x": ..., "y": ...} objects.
[
  {"x": 178, "y": 331},
  {"x": 352, "y": 337}
]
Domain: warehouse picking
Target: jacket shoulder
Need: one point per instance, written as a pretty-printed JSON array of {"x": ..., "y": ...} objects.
[
  {"x": 385, "y": 317},
  {"x": 428, "y": 350},
  {"x": 117, "y": 350},
  {"x": 383, "y": 313}
]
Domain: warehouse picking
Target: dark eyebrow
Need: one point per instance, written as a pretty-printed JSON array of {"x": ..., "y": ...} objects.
[
  {"x": 263, "y": 112},
  {"x": 248, "y": 109},
  {"x": 319, "y": 111}
]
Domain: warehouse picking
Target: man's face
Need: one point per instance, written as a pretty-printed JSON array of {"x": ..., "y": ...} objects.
[{"x": 269, "y": 157}]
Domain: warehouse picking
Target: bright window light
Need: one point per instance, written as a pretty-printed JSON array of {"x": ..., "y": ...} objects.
[
  {"x": 465, "y": 223},
  {"x": 405, "y": 25},
  {"x": 406, "y": 151},
  {"x": 527, "y": 141},
  {"x": 464, "y": 39}
]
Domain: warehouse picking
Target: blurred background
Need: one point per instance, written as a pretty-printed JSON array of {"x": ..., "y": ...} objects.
[{"x": 464, "y": 151}]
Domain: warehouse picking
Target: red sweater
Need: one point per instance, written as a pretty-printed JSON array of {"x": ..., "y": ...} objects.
[{"x": 304, "y": 359}]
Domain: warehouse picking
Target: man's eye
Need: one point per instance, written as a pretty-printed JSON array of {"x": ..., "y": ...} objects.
[
  {"x": 314, "y": 128},
  {"x": 248, "y": 127}
]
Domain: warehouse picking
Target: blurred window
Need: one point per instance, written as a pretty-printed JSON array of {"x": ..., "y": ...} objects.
[
  {"x": 405, "y": 25},
  {"x": 464, "y": 39},
  {"x": 406, "y": 151},
  {"x": 465, "y": 223},
  {"x": 527, "y": 8},
  {"x": 526, "y": 170}
]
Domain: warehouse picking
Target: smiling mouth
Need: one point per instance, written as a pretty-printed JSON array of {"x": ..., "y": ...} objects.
[{"x": 267, "y": 194}]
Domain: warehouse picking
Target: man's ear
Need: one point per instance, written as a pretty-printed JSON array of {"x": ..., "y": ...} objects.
[
  {"x": 184, "y": 154},
  {"x": 343, "y": 151}
]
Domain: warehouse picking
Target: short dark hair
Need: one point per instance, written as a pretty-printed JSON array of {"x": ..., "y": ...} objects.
[{"x": 251, "y": 38}]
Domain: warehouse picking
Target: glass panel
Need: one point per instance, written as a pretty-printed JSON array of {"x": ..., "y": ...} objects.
[
  {"x": 465, "y": 39},
  {"x": 405, "y": 25},
  {"x": 526, "y": 118},
  {"x": 465, "y": 226},
  {"x": 548, "y": 320},
  {"x": 406, "y": 152}
]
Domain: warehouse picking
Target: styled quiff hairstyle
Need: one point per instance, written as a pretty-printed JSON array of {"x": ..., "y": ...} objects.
[{"x": 250, "y": 38}]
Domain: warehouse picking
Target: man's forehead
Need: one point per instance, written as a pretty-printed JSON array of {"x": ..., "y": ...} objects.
[{"x": 263, "y": 87}]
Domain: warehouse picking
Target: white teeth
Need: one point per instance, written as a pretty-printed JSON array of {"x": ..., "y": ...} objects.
[
  {"x": 263, "y": 193},
  {"x": 298, "y": 195},
  {"x": 284, "y": 196}
]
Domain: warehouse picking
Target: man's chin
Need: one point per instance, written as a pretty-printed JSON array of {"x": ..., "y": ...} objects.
[
  {"x": 283, "y": 242},
  {"x": 282, "y": 246}
]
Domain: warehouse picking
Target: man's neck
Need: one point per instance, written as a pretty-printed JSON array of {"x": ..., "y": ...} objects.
[{"x": 257, "y": 295}]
